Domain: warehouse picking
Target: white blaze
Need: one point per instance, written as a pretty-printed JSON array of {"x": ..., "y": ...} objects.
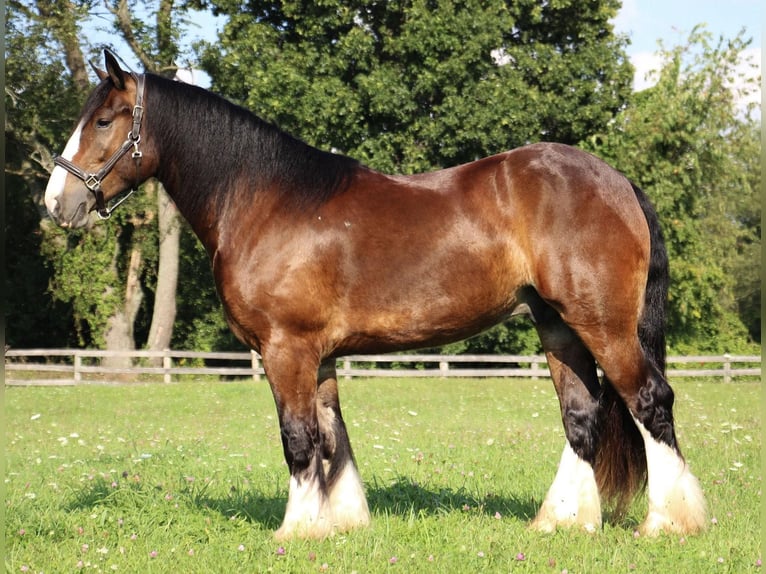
[{"x": 57, "y": 180}]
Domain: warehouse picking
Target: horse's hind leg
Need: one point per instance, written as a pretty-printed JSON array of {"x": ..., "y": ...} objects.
[
  {"x": 676, "y": 502},
  {"x": 346, "y": 494},
  {"x": 573, "y": 498}
]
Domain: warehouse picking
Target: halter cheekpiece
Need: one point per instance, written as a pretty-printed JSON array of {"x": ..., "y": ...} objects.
[{"x": 93, "y": 180}]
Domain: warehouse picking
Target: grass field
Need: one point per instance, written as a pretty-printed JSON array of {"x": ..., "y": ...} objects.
[{"x": 189, "y": 477}]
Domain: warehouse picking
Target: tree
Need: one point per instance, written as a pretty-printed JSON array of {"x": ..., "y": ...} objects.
[
  {"x": 686, "y": 143},
  {"x": 412, "y": 86},
  {"x": 43, "y": 93},
  {"x": 746, "y": 266},
  {"x": 107, "y": 301},
  {"x": 408, "y": 86},
  {"x": 157, "y": 49}
]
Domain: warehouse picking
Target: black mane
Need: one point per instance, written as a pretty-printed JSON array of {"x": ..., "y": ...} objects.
[{"x": 215, "y": 142}]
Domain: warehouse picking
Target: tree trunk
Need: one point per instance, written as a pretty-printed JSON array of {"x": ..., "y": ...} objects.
[
  {"x": 164, "y": 312},
  {"x": 61, "y": 19},
  {"x": 119, "y": 329},
  {"x": 160, "y": 60}
]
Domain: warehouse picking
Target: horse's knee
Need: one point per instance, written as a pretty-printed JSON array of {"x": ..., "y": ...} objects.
[{"x": 299, "y": 440}]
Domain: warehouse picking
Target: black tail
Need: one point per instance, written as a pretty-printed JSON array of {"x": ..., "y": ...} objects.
[
  {"x": 651, "y": 329},
  {"x": 621, "y": 457}
]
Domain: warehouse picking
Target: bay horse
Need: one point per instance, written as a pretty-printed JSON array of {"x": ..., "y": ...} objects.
[{"x": 316, "y": 256}]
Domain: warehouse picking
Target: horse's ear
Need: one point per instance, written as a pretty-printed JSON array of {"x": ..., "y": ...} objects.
[
  {"x": 102, "y": 75},
  {"x": 114, "y": 71}
]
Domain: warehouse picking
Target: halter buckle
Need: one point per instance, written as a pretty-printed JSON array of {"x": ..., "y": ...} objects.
[{"x": 92, "y": 182}]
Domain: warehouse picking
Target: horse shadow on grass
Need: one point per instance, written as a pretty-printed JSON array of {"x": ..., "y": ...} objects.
[{"x": 401, "y": 497}]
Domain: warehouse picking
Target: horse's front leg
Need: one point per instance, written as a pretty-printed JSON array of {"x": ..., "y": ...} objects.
[
  {"x": 293, "y": 378},
  {"x": 346, "y": 494}
]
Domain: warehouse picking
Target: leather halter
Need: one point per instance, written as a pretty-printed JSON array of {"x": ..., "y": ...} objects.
[{"x": 93, "y": 180}]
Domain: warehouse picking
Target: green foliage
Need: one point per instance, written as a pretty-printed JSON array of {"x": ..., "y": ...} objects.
[
  {"x": 90, "y": 267},
  {"x": 41, "y": 100},
  {"x": 745, "y": 266},
  {"x": 85, "y": 283},
  {"x": 412, "y": 86},
  {"x": 696, "y": 155},
  {"x": 41, "y": 103},
  {"x": 65, "y": 286},
  {"x": 515, "y": 335},
  {"x": 32, "y": 317}
]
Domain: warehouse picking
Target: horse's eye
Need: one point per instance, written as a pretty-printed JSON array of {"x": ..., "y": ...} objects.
[{"x": 103, "y": 123}]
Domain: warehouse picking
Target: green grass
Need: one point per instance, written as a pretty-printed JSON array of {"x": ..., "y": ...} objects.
[{"x": 189, "y": 478}]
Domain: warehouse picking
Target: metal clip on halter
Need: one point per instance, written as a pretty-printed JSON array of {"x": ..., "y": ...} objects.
[{"x": 137, "y": 153}]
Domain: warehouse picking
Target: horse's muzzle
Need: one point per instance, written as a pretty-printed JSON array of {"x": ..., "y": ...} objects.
[{"x": 71, "y": 219}]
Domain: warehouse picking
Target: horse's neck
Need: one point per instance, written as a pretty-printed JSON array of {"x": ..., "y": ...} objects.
[
  {"x": 197, "y": 186},
  {"x": 226, "y": 166}
]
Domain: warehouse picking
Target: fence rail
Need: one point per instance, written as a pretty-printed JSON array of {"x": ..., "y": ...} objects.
[{"x": 30, "y": 367}]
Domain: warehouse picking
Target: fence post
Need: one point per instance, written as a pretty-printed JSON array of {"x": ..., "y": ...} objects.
[
  {"x": 77, "y": 367},
  {"x": 255, "y": 364},
  {"x": 535, "y": 368},
  {"x": 727, "y": 368},
  {"x": 443, "y": 369},
  {"x": 167, "y": 364},
  {"x": 347, "y": 368}
]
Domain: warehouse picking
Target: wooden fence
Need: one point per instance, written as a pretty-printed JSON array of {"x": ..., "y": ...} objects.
[{"x": 28, "y": 367}]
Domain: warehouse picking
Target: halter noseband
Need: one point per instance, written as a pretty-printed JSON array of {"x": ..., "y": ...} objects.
[{"x": 93, "y": 180}]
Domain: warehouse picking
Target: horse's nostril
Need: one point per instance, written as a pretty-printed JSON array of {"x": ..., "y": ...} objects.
[{"x": 53, "y": 208}]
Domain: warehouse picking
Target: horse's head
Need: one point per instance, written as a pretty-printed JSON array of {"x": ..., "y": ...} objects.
[{"x": 103, "y": 157}]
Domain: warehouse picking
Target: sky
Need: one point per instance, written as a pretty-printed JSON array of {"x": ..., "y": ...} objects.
[{"x": 648, "y": 21}]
